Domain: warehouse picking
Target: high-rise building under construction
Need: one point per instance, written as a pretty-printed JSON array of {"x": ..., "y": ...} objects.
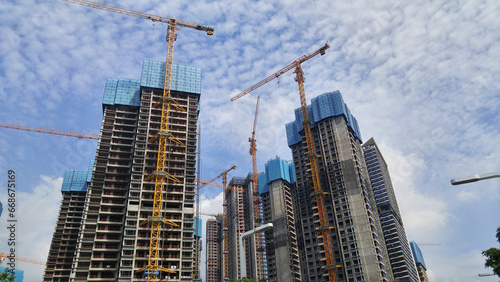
[
  {"x": 240, "y": 217},
  {"x": 65, "y": 238},
  {"x": 357, "y": 242},
  {"x": 111, "y": 244},
  {"x": 275, "y": 188},
  {"x": 214, "y": 249},
  {"x": 419, "y": 261},
  {"x": 398, "y": 248}
]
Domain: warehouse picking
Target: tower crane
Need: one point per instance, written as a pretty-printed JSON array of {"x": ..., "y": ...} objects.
[
  {"x": 256, "y": 199},
  {"x": 152, "y": 269},
  {"x": 318, "y": 194},
  {"x": 51, "y": 131},
  {"x": 211, "y": 214},
  {"x": 197, "y": 251},
  {"x": 211, "y": 183},
  {"x": 198, "y": 190},
  {"x": 4, "y": 255},
  {"x": 225, "y": 228}
]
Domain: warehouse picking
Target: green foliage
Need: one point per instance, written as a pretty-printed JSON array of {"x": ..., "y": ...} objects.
[
  {"x": 244, "y": 279},
  {"x": 6, "y": 276},
  {"x": 493, "y": 256}
]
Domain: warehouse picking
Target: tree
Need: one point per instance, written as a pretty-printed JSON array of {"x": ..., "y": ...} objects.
[
  {"x": 244, "y": 279},
  {"x": 7, "y": 276},
  {"x": 493, "y": 257}
]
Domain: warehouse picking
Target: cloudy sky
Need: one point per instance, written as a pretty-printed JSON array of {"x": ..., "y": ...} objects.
[{"x": 422, "y": 78}]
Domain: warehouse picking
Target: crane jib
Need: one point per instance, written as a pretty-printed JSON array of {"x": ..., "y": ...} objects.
[
  {"x": 293, "y": 65},
  {"x": 96, "y": 5}
]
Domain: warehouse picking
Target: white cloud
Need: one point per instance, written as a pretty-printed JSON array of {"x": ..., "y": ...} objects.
[
  {"x": 210, "y": 206},
  {"x": 424, "y": 215},
  {"x": 467, "y": 196},
  {"x": 213, "y": 205},
  {"x": 36, "y": 216}
]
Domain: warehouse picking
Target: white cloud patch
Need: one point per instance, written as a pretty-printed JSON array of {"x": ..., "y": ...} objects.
[
  {"x": 36, "y": 215},
  {"x": 467, "y": 196},
  {"x": 209, "y": 206},
  {"x": 424, "y": 215}
]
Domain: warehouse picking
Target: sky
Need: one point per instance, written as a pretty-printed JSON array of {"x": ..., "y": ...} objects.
[{"x": 422, "y": 78}]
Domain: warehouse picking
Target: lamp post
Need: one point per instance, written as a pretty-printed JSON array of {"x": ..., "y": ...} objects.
[
  {"x": 475, "y": 178},
  {"x": 485, "y": 274},
  {"x": 243, "y": 262}
]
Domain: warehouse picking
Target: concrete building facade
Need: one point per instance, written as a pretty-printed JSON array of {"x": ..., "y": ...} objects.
[
  {"x": 419, "y": 261},
  {"x": 64, "y": 240},
  {"x": 112, "y": 244},
  {"x": 198, "y": 248},
  {"x": 398, "y": 247},
  {"x": 275, "y": 188},
  {"x": 213, "y": 250},
  {"x": 235, "y": 202},
  {"x": 356, "y": 240},
  {"x": 240, "y": 217}
]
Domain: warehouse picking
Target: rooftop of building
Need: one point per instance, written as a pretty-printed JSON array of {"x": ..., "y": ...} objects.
[
  {"x": 276, "y": 169},
  {"x": 126, "y": 91},
  {"x": 417, "y": 254},
  {"x": 77, "y": 180},
  {"x": 330, "y": 104}
]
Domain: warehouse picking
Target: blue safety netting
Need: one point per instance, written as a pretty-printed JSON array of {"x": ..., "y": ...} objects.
[
  {"x": 417, "y": 254},
  {"x": 184, "y": 78},
  {"x": 122, "y": 91},
  {"x": 327, "y": 105},
  {"x": 126, "y": 91},
  {"x": 276, "y": 169},
  {"x": 198, "y": 231},
  {"x": 75, "y": 180}
]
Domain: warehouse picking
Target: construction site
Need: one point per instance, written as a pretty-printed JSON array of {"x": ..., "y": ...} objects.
[{"x": 134, "y": 212}]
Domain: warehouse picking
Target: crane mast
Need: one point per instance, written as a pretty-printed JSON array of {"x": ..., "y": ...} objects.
[
  {"x": 225, "y": 223},
  {"x": 165, "y": 139},
  {"x": 256, "y": 200},
  {"x": 202, "y": 183},
  {"x": 196, "y": 269},
  {"x": 318, "y": 194},
  {"x": 225, "y": 228}
]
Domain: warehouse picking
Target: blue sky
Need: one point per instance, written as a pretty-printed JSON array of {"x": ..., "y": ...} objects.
[{"x": 421, "y": 77}]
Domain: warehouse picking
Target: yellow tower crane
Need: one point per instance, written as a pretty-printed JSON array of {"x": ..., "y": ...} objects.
[
  {"x": 324, "y": 228},
  {"x": 211, "y": 183},
  {"x": 225, "y": 226},
  {"x": 4, "y": 256},
  {"x": 51, "y": 131},
  {"x": 258, "y": 240},
  {"x": 152, "y": 269},
  {"x": 201, "y": 184},
  {"x": 210, "y": 214}
]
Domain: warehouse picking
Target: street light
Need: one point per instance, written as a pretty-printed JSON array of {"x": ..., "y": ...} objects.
[
  {"x": 485, "y": 274},
  {"x": 243, "y": 262},
  {"x": 475, "y": 178}
]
